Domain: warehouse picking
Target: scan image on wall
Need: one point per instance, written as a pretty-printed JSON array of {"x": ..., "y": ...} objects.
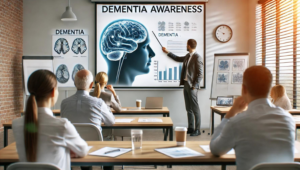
[
  {"x": 129, "y": 36},
  {"x": 70, "y": 54}
]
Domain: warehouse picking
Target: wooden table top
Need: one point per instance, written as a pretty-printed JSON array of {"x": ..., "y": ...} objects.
[
  {"x": 146, "y": 154},
  {"x": 167, "y": 121},
  {"x": 224, "y": 110},
  {"x": 131, "y": 110},
  {"x": 142, "y": 110}
]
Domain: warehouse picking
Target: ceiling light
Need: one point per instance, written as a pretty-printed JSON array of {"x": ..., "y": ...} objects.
[{"x": 69, "y": 14}]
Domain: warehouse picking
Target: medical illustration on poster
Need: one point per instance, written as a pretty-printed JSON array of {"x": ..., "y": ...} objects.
[
  {"x": 127, "y": 48},
  {"x": 70, "y": 55}
]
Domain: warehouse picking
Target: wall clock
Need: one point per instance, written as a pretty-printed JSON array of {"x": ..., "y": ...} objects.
[{"x": 223, "y": 33}]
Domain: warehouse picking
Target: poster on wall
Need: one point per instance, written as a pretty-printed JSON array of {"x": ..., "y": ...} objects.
[
  {"x": 228, "y": 74},
  {"x": 70, "y": 55},
  {"x": 34, "y": 63},
  {"x": 129, "y": 36}
]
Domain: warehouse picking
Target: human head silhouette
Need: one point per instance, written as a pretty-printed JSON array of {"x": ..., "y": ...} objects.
[{"x": 124, "y": 44}]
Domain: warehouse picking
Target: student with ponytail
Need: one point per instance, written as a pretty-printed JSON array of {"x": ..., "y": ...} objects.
[
  {"x": 41, "y": 137},
  {"x": 111, "y": 100}
]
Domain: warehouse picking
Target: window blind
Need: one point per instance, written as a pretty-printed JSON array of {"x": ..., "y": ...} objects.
[{"x": 278, "y": 43}]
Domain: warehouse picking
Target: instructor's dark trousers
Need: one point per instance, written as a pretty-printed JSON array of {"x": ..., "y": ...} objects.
[{"x": 192, "y": 106}]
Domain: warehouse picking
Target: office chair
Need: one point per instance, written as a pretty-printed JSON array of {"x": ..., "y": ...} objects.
[
  {"x": 88, "y": 132},
  {"x": 32, "y": 166}
]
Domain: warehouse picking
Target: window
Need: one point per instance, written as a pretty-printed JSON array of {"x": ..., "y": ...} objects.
[{"x": 278, "y": 43}]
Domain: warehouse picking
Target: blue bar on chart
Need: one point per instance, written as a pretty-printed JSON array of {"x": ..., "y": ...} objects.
[
  {"x": 165, "y": 74},
  {"x": 169, "y": 73},
  {"x": 175, "y": 73},
  {"x": 180, "y": 69},
  {"x": 160, "y": 75}
]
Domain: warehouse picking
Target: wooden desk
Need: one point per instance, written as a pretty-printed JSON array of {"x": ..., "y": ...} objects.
[
  {"x": 145, "y": 156},
  {"x": 294, "y": 112},
  {"x": 297, "y": 122},
  {"x": 133, "y": 111},
  {"x": 223, "y": 110},
  {"x": 166, "y": 124}
]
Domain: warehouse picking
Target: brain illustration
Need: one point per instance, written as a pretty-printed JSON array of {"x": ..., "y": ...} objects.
[
  {"x": 79, "y": 46},
  {"x": 121, "y": 37},
  {"x": 62, "y": 74},
  {"x": 77, "y": 67},
  {"x": 61, "y": 46}
]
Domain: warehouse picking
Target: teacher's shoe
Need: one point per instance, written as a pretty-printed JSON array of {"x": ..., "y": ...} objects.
[
  {"x": 196, "y": 133},
  {"x": 190, "y": 130}
]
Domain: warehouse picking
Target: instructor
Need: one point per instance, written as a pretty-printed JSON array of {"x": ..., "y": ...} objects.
[{"x": 191, "y": 76}]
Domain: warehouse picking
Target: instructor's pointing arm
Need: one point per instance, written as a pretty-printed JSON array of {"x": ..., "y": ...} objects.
[{"x": 173, "y": 56}]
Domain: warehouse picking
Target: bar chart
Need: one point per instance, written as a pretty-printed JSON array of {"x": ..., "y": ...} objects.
[{"x": 168, "y": 73}]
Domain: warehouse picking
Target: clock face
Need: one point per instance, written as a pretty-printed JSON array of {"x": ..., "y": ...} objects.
[{"x": 223, "y": 33}]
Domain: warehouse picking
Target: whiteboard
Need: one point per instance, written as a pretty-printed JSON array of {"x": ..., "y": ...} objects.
[
  {"x": 156, "y": 23},
  {"x": 33, "y": 63},
  {"x": 228, "y": 74}
]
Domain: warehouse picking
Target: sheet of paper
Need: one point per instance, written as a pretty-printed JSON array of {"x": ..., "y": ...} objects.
[
  {"x": 179, "y": 152},
  {"x": 123, "y": 109},
  {"x": 297, "y": 119},
  {"x": 101, "y": 152},
  {"x": 90, "y": 147},
  {"x": 124, "y": 120},
  {"x": 296, "y": 150},
  {"x": 206, "y": 148},
  {"x": 149, "y": 120}
]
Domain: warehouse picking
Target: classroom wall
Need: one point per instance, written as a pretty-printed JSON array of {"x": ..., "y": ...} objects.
[
  {"x": 42, "y": 17},
  {"x": 11, "y": 50},
  {"x": 252, "y": 31}
]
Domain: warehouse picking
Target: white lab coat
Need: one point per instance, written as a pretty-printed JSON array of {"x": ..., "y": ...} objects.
[{"x": 56, "y": 137}]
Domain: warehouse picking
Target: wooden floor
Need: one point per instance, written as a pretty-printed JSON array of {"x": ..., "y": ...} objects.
[{"x": 149, "y": 135}]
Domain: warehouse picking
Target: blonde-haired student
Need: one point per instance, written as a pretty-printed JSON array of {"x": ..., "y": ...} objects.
[
  {"x": 280, "y": 98},
  {"x": 41, "y": 137},
  {"x": 111, "y": 99}
]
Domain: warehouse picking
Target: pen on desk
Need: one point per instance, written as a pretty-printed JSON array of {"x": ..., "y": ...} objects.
[{"x": 112, "y": 151}]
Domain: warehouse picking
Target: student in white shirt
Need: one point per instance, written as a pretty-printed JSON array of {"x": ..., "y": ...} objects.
[
  {"x": 262, "y": 133},
  {"x": 111, "y": 99},
  {"x": 41, "y": 137},
  {"x": 280, "y": 98}
]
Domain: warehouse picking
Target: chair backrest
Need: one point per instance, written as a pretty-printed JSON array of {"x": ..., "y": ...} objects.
[
  {"x": 32, "y": 166},
  {"x": 88, "y": 132},
  {"x": 277, "y": 166}
]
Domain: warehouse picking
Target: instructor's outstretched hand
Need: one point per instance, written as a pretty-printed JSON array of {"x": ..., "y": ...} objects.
[{"x": 165, "y": 50}]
